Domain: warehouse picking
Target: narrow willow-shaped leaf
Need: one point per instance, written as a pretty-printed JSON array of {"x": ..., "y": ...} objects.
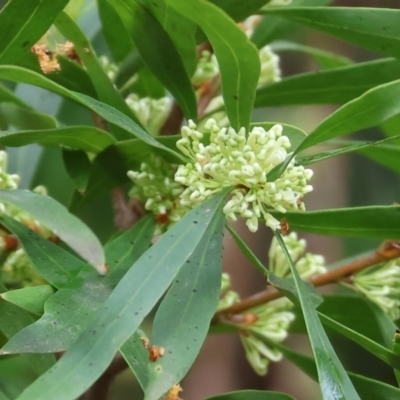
[
  {"x": 385, "y": 155},
  {"x": 56, "y": 217},
  {"x": 333, "y": 379},
  {"x": 381, "y": 222},
  {"x": 375, "y": 348},
  {"x": 237, "y": 57},
  {"x": 368, "y": 389},
  {"x": 23, "y": 23},
  {"x": 180, "y": 29},
  {"x": 118, "y": 40},
  {"x": 31, "y": 299},
  {"x": 12, "y": 320},
  {"x": 368, "y": 110},
  {"x": 349, "y": 148},
  {"x": 325, "y": 59},
  {"x": 183, "y": 318},
  {"x": 56, "y": 265},
  {"x": 77, "y": 165},
  {"x": 153, "y": 44},
  {"x": 21, "y": 118},
  {"x": 71, "y": 309},
  {"x": 396, "y": 351},
  {"x": 374, "y": 29},
  {"x": 239, "y": 10},
  {"x": 110, "y": 114},
  {"x": 253, "y": 395},
  {"x": 105, "y": 89},
  {"x": 132, "y": 299},
  {"x": 137, "y": 357},
  {"x": 85, "y": 138},
  {"x": 333, "y": 86},
  {"x": 7, "y": 96}
]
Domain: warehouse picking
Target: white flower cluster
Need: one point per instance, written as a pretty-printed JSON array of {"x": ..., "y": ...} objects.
[
  {"x": 207, "y": 68},
  {"x": 381, "y": 285},
  {"x": 151, "y": 113},
  {"x": 307, "y": 264},
  {"x": 227, "y": 297},
  {"x": 109, "y": 68},
  {"x": 270, "y": 70},
  {"x": 234, "y": 160},
  {"x": 271, "y": 321},
  {"x": 156, "y": 189},
  {"x": 7, "y": 181}
]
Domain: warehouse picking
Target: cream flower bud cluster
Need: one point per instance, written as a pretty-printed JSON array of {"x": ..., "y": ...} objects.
[
  {"x": 109, "y": 68},
  {"x": 7, "y": 181},
  {"x": 242, "y": 162},
  {"x": 271, "y": 323},
  {"x": 381, "y": 285},
  {"x": 151, "y": 113},
  {"x": 207, "y": 68},
  {"x": 307, "y": 265},
  {"x": 227, "y": 297},
  {"x": 270, "y": 70},
  {"x": 156, "y": 189}
]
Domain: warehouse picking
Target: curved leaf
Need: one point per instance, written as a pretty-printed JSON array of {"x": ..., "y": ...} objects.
[
  {"x": 110, "y": 114},
  {"x": 370, "y": 109},
  {"x": 183, "y": 318},
  {"x": 237, "y": 57},
  {"x": 23, "y": 23},
  {"x": 253, "y": 395},
  {"x": 375, "y": 29},
  {"x": 382, "y": 222},
  {"x": 71, "y": 309},
  {"x": 153, "y": 44},
  {"x": 31, "y": 299},
  {"x": 56, "y": 217},
  {"x": 333, "y": 379},
  {"x": 120, "y": 315},
  {"x": 334, "y": 86},
  {"x": 85, "y": 138}
]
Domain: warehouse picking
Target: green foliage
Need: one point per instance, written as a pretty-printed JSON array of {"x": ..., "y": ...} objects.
[{"x": 104, "y": 87}]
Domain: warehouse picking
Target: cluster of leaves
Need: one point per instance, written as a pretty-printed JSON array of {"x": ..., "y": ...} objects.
[{"x": 92, "y": 317}]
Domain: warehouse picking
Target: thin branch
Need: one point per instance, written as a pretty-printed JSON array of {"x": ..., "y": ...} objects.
[
  {"x": 387, "y": 251},
  {"x": 174, "y": 121}
]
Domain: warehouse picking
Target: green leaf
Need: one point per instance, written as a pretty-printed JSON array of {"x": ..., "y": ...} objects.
[
  {"x": 333, "y": 86},
  {"x": 56, "y": 217},
  {"x": 396, "y": 351},
  {"x": 104, "y": 87},
  {"x": 387, "y": 155},
  {"x": 375, "y": 348},
  {"x": 119, "y": 42},
  {"x": 56, "y": 265},
  {"x": 78, "y": 167},
  {"x": 368, "y": 389},
  {"x": 183, "y": 318},
  {"x": 237, "y": 57},
  {"x": 180, "y": 29},
  {"x": 7, "y": 96},
  {"x": 110, "y": 114},
  {"x": 31, "y": 299},
  {"x": 372, "y": 28},
  {"x": 239, "y": 10},
  {"x": 137, "y": 357},
  {"x": 23, "y": 118},
  {"x": 85, "y": 138},
  {"x": 325, "y": 59},
  {"x": 350, "y": 147},
  {"x": 71, "y": 309},
  {"x": 121, "y": 314},
  {"x": 12, "y": 320},
  {"x": 153, "y": 44},
  {"x": 380, "y": 222},
  {"x": 23, "y": 23},
  {"x": 272, "y": 28},
  {"x": 368, "y": 110},
  {"x": 333, "y": 379},
  {"x": 253, "y": 395}
]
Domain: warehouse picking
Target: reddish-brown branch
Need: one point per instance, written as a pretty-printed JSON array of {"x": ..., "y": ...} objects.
[
  {"x": 174, "y": 121},
  {"x": 388, "y": 251}
]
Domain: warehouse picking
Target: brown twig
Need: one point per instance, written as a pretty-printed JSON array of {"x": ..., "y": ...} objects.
[
  {"x": 173, "y": 122},
  {"x": 387, "y": 251}
]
